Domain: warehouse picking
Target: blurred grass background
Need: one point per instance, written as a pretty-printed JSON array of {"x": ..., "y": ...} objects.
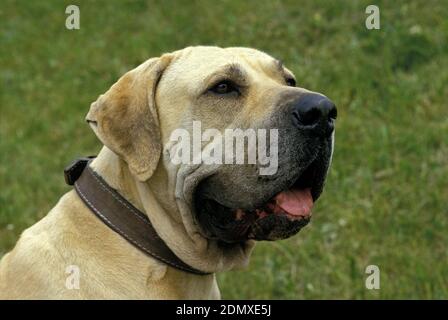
[{"x": 386, "y": 197}]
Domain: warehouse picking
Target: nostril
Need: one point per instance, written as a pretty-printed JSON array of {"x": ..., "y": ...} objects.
[
  {"x": 310, "y": 117},
  {"x": 333, "y": 114}
]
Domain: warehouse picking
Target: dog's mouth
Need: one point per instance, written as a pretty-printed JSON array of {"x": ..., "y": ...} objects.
[{"x": 280, "y": 216}]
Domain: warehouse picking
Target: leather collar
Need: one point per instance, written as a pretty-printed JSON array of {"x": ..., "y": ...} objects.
[{"x": 120, "y": 215}]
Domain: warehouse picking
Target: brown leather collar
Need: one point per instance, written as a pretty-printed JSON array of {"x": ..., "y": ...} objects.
[{"x": 120, "y": 215}]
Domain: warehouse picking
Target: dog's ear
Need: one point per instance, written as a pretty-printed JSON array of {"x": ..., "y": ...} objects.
[{"x": 125, "y": 117}]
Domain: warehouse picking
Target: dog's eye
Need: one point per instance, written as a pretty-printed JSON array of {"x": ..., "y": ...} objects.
[
  {"x": 290, "y": 82},
  {"x": 224, "y": 87}
]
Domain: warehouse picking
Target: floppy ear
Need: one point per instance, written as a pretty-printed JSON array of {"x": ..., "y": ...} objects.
[{"x": 125, "y": 117}]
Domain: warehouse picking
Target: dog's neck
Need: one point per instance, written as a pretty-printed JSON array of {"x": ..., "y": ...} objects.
[{"x": 156, "y": 200}]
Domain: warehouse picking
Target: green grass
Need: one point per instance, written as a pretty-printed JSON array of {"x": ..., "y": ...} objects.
[{"x": 386, "y": 197}]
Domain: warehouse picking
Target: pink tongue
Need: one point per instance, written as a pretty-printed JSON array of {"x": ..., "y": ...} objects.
[{"x": 295, "y": 202}]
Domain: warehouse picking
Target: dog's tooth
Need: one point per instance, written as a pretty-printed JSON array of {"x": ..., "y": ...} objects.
[{"x": 239, "y": 214}]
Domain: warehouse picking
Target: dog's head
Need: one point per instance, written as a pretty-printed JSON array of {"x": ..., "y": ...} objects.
[{"x": 290, "y": 128}]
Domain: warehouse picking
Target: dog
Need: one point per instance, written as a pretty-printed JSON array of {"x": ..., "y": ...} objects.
[{"x": 210, "y": 216}]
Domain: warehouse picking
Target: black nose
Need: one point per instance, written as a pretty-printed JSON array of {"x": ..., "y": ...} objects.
[{"x": 315, "y": 114}]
